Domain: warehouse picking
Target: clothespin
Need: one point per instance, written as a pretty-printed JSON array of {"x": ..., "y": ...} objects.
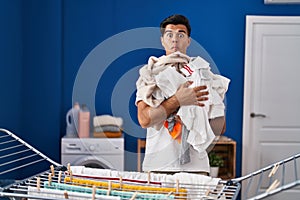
[
  {"x": 71, "y": 176},
  {"x": 52, "y": 170},
  {"x": 69, "y": 167},
  {"x": 134, "y": 196},
  {"x": 273, "y": 186},
  {"x": 66, "y": 194},
  {"x": 94, "y": 192},
  {"x": 109, "y": 188},
  {"x": 38, "y": 183},
  {"x": 170, "y": 193},
  {"x": 59, "y": 176},
  {"x": 49, "y": 179},
  {"x": 121, "y": 182},
  {"x": 274, "y": 170},
  {"x": 177, "y": 186},
  {"x": 207, "y": 192},
  {"x": 149, "y": 177}
]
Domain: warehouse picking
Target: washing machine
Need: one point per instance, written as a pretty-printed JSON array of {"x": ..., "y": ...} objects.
[{"x": 104, "y": 153}]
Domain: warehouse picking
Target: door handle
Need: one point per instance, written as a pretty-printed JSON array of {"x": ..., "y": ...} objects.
[{"x": 257, "y": 115}]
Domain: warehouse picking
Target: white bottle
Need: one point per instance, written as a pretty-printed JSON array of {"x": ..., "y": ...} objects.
[
  {"x": 84, "y": 122},
  {"x": 72, "y": 121}
]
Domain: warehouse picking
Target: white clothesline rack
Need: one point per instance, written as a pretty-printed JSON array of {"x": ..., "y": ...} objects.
[{"x": 27, "y": 173}]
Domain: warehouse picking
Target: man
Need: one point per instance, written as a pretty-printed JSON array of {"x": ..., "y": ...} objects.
[{"x": 167, "y": 95}]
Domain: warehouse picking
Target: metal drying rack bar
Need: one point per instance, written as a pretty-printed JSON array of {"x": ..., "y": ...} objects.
[{"x": 34, "y": 175}]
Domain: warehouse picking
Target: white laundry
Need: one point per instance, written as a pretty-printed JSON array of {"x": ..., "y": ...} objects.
[
  {"x": 158, "y": 178},
  {"x": 109, "y": 174},
  {"x": 102, "y": 120},
  {"x": 60, "y": 194},
  {"x": 146, "y": 85},
  {"x": 200, "y": 184},
  {"x": 197, "y": 185},
  {"x": 196, "y": 118},
  {"x": 162, "y": 152}
]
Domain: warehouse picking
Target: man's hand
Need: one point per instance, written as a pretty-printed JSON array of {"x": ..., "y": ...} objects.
[
  {"x": 191, "y": 96},
  {"x": 149, "y": 116}
]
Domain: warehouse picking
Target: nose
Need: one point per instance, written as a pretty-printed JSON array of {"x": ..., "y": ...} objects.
[{"x": 175, "y": 38}]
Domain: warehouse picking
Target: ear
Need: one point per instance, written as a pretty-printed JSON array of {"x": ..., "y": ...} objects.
[
  {"x": 162, "y": 41},
  {"x": 189, "y": 41}
]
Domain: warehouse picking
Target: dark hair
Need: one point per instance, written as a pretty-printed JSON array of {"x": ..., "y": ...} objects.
[{"x": 175, "y": 19}]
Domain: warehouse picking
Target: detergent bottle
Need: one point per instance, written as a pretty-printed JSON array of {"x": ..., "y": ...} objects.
[
  {"x": 72, "y": 121},
  {"x": 84, "y": 122}
]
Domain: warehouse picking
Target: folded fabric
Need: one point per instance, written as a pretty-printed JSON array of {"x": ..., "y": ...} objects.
[
  {"x": 107, "y": 120},
  {"x": 118, "y": 189},
  {"x": 114, "y": 193},
  {"x": 107, "y": 134},
  {"x": 59, "y": 194},
  {"x": 107, "y": 128}
]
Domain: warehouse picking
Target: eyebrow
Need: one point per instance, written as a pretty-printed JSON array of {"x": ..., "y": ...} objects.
[{"x": 180, "y": 31}]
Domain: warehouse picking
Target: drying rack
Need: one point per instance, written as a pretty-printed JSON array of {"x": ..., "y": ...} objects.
[{"x": 37, "y": 176}]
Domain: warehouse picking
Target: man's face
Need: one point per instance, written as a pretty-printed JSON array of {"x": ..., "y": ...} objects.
[{"x": 175, "y": 38}]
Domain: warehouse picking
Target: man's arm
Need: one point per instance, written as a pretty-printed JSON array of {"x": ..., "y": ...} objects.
[
  {"x": 218, "y": 125},
  {"x": 149, "y": 116}
]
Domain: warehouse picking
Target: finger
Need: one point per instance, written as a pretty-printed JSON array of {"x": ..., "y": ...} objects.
[
  {"x": 200, "y": 94},
  {"x": 201, "y": 104},
  {"x": 201, "y": 87},
  {"x": 202, "y": 99},
  {"x": 188, "y": 83}
]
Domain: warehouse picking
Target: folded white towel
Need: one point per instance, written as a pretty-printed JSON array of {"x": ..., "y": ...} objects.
[{"x": 103, "y": 120}]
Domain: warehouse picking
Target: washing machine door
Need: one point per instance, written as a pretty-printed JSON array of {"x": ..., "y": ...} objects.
[{"x": 93, "y": 162}]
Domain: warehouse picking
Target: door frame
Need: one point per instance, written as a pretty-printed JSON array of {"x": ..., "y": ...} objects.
[{"x": 248, "y": 139}]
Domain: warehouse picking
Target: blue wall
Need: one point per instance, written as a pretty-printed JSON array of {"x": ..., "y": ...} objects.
[{"x": 45, "y": 43}]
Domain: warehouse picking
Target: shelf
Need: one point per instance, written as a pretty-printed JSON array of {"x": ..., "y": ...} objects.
[{"x": 226, "y": 148}]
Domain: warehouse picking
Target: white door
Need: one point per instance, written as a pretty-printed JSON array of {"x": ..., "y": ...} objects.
[{"x": 271, "y": 119}]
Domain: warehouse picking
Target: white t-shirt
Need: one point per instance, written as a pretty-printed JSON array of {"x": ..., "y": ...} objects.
[{"x": 162, "y": 154}]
